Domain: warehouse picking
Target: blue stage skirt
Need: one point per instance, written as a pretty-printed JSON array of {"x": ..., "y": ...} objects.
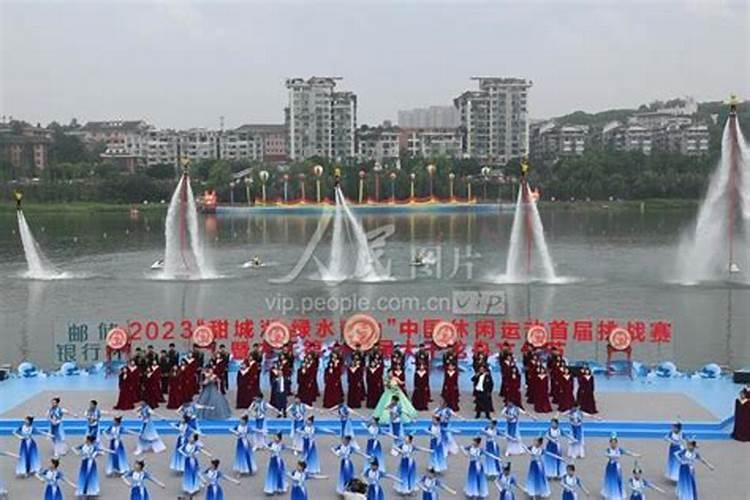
[
  {"x": 686, "y": 488},
  {"x": 507, "y": 495},
  {"x": 148, "y": 438},
  {"x": 449, "y": 441},
  {"x": 374, "y": 449},
  {"x": 397, "y": 430},
  {"x": 576, "y": 448},
  {"x": 191, "y": 483},
  {"x": 673, "y": 464},
  {"x": 59, "y": 448},
  {"x": 536, "y": 480},
  {"x": 28, "y": 462},
  {"x": 177, "y": 461},
  {"x": 476, "y": 481},
  {"x": 244, "y": 459},
  {"x": 88, "y": 479},
  {"x": 346, "y": 473},
  {"x": 214, "y": 492},
  {"x": 310, "y": 454},
  {"x": 492, "y": 466},
  {"x": 296, "y": 434},
  {"x": 612, "y": 488},
  {"x": 515, "y": 446},
  {"x": 52, "y": 492},
  {"x": 636, "y": 495},
  {"x": 426, "y": 495},
  {"x": 439, "y": 455},
  {"x": 569, "y": 495},
  {"x": 407, "y": 473},
  {"x": 275, "y": 477},
  {"x": 346, "y": 428},
  {"x": 117, "y": 461},
  {"x": 553, "y": 467},
  {"x": 375, "y": 492},
  {"x": 139, "y": 493},
  {"x": 298, "y": 493}
]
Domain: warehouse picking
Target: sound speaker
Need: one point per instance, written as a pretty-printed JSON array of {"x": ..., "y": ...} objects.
[{"x": 741, "y": 376}]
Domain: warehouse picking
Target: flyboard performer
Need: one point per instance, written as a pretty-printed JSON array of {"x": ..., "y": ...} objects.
[
  {"x": 734, "y": 152},
  {"x": 18, "y": 195}
]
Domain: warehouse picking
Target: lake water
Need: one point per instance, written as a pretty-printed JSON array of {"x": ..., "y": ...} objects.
[{"x": 619, "y": 264}]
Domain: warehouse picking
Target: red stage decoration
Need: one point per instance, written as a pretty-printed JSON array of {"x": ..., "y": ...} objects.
[
  {"x": 203, "y": 337},
  {"x": 361, "y": 332},
  {"x": 620, "y": 342},
  {"x": 444, "y": 334},
  {"x": 276, "y": 334},
  {"x": 117, "y": 340},
  {"x": 537, "y": 336}
]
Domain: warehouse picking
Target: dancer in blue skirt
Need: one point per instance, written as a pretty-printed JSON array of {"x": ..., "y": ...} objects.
[
  {"x": 576, "y": 447},
  {"x": 613, "y": 489},
  {"x": 345, "y": 419},
  {"x": 259, "y": 409},
  {"x": 374, "y": 448},
  {"x": 438, "y": 452},
  {"x": 51, "y": 478},
  {"x": 536, "y": 479},
  {"x": 344, "y": 451},
  {"x": 191, "y": 481},
  {"x": 637, "y": 485},
  {"x": 189, "y": 412},
  {"x": 93, "y": 416},
  {"x": 298, "y": 477},
  {"x": 407, "y": 469},
  {"x": 492, "y": 467},
  {"x": 553, "y": 466},
  {"x": 276, "y": 479},
  {"x": 297, "y": 412},
  {"x": 686, "y": 487},
  {"x": 136, "y": 481},
  {"x": 372, "y": 477},
  {"x": 309, "y": 447},
  {"x": 28, "y": 463},
  {"x": 476, "y": 480},
  {"x": 117, "y": 460},
  {"x": 675, "y": 440},
  {"x": 445, "y": 414},
  {"x": 212, "y": 478},
  {"x": 512, "y": 414},
  {"x": 244, "y": 456},
  {"x": 88, "y": 476},
  {"x": 430, "y": 484},
  {"x": 506, "y": 483},
  {"x": 148, "y": 438},
  {"x": 184, "y": 434},
  {"x": 571, "y": 483},
  {"x": 55, "y": 416}
]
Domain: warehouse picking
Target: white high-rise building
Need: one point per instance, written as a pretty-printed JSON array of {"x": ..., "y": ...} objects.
[
  {"x": 494, "y": 119},
  {"x": 321, "y": 121},
  {"x": 431, "y": 117}
]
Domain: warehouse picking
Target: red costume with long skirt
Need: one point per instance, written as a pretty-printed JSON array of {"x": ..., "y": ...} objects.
[
  {"x": 375, "y": 386},
  {"x": 190, "y": 382},
  {"x": 128, "y": 384},
  {"x": 450, "y": 388},
  {"x": 741, "y": 430},
  {"x": 304, "y": 383},
  {"x": 244, "y": 398},
  {"x": 541, "y": 393},
  {"x": 175, "y": 397},
  {"x": 421, "y": 397},
  {"x": 152, "y": 394},
  {"x": 512, "y": 391},
  {"x": 356, "y": 386},
  {"x": 565, "y": 397},
  {"x": 333, "y": 393},
  {"x": 585, "y": 396}
]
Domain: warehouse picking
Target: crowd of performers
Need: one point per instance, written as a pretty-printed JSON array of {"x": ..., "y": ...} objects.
[{"x": 553, "y": 456}]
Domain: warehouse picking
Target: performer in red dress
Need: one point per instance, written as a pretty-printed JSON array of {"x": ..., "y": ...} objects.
[
  {"x": 253, "y": 377},
  {"x": 244, "y": 398},
  {"x": 421, "y": 397},
  {"x": 585, "y": 395},
  {"x": 450, "y": 387},
  {"x": 152, "y": 391},
  {"x": 355, "y": 382},
  {"x": 220, "y": 365},
  {"x": 374, "y": 376},
  {"x": 129, "y": 381},
  {"x": 532, "y": 373},
  {"x": 175, "y": 397},
  {"x": 333, "y": 393},
  {"x": 305, "y": 377},
  {"x": 191, "y": 374},
  {"x": 565, "y": 398},
  {"x": 314, "y": 369},
  {"x": 513, "y": 387},
  {"x": 741, "y": 430},
  {"x": 541, "y": 392}
]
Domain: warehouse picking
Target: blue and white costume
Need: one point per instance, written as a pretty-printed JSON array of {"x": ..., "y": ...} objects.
[
  {"x": 148, "y": 438},
  {"x": 445, "y": 414},
  {"x": 686, "y": 487},
  {"x": 374, "y": 448},
  {"x": 260, "y": 410},
  {"x": 407, "y": 469},
  {"x": 374, "y": 490},
  {"x": 299, "y": 491},
  {"x": 505, "y": 484},
  {"x": 570, "y": 485},
  {"x": 576, "y": 448},
  {"x": 476, "y": 480},
  {"x": 553, "y": 466},
  {"x": 536, "y": 479},
  {"x": 345, "y": 421},
  {"x": 117, "y": 459},
  {"x": 492, "y": 466},
  {"x": 638, "y": 488},
  {"x": 394, "y": 415},
  {"x": 613, "y": 487},
  {"x": 513, "y": 431},
  {"x": 55, "y": 417},
  {"x": 430, "y": 487},
  {"x": 439, "y": 454},
  {"x": 346, "y": 466},
  {"x": 88, "y": 477},
  {"x": 28, "y": 462},
  {"x": 212, "y": 477},
  {"x": 93, "y": 418},
  {"x": 137, "y": 479},
  {"x": 190, "y": 411},
  {"x": 276, "y": 475},
  {"x": 675, "y": 440},
  {"x": 51, "y": 479},
  {"x": 184, "y": 432},
  {"x": 310, "y": 449},
  {"x": 244, "y": 457},
  {"x": 297, "y": 412},
  {"x": 191, "y": 482}
]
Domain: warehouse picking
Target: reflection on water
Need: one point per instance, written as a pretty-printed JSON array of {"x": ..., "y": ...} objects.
[{"x": 622, "y": 261}]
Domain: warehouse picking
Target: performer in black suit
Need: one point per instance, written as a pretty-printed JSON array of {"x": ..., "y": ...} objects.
[{"x": 483, "y": 386}]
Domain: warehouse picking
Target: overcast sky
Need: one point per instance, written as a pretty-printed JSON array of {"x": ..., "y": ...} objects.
[{"x": 180, "y": 64}]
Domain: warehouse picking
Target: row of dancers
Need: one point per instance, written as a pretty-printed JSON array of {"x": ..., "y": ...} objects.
[{"x": 487, "y": 463}]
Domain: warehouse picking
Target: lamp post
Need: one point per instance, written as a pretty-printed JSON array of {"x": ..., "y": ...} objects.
[
  {"x": 248, "y": 182},
  {"x": 469, "y": 178},
  {"x": 451, "y": 178},
  {"x": 485, "y": 178},
  {"x": 263, "y": 174},
  {"x": 231, "y": 192},
  {"x": 361, "y": 185},
  {"x": 377, "y": 169},
  {"x": 392, "y": 175},
  {"x": 431, "y": 172},
  {"x": 286, "y": 188},
  {"x": 301, "y": 177},
  {"x": 412, "y": 176},
  {"x": 318, "y": 171}
]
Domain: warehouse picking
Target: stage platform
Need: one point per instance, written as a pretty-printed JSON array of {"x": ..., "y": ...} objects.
[{"x": 369, "y": 208}]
